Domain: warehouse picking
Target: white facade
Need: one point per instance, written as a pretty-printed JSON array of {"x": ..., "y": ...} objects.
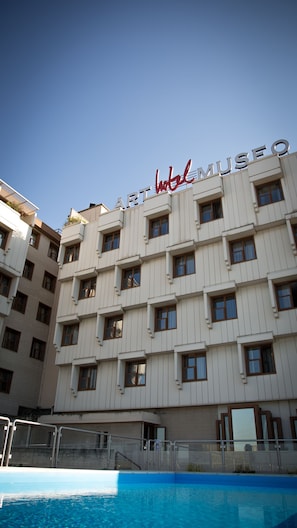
[
  {"x": 205, "y": 314},
  {"x": 28, "y": 267}
]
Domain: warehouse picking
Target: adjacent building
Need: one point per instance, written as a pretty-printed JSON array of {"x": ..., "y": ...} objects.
[
  {"x": 28, "y": 284},
  {"x": 177, "y": 318}
]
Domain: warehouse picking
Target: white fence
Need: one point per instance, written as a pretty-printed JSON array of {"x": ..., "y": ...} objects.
[{"x": 32, "y": 444}]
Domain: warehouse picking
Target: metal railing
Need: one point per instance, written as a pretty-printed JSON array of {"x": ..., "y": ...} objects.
[{"x": 27, "y": 443}]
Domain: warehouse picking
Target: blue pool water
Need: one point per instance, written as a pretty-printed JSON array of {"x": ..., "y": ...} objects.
[{"x": 146, "y": 500}]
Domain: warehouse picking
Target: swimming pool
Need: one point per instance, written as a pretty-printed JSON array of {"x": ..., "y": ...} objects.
[{"x": 37, "y": 498}]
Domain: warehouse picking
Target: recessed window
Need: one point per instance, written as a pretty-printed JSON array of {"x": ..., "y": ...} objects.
[
  {"x": 113, "y": 327},
  {"x": 49, "y": 282},
  {"x": 5, "y": 380},
  {"x": 131, "y": 278},
  {"x": 194, "y": 367},
  {"x": 269, "y": 193},
  {"x": 87, "y": 378},
  {"x": 43, "y": 313},
  {"x": 11, "y": 339},
  {"x": 259, "y": 359},
  {"x": 159, "y": 226},
  {"x": 135, "y": 373},
  {"x": 111, "y": 241},
  {"x": 242, "y": 250},
  {"x": 286, "y": 295},
  {"x": 28, "y": 270},
  {"x": 184, "y": 265},
  {"x": 294, "y": 229},
  {"x": 3, "y": 237},
  {"x": 20, "y": 302},
  {"x": 70, "y": 334},
  {"x": 34, "y": 239},
  {"x": 87, "y": 288},
  {"x": 165, "y": 318},
  {"x": 224, "y": 307},
  {"x": 5, "y": 283},
  {"x": 53, "y": 251},
  {"x": 37, "y": 349},
  {"x": 211, "y": 211},
  {"x": 71, "y": 253}
]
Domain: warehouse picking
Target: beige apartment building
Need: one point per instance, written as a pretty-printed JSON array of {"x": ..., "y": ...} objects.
[
  {"x": 177, "y": 318},
  {"x": 28, "y": 282}
]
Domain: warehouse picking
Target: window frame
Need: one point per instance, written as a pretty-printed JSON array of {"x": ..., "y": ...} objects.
[
  {"x": 243, "y": 242},
  {"x": 184, "y": 256},
  {"x": 215, "y": 213},
  {"x": 4, "y": 234},
  {"x": 262, "y": 347},
  {"x": 111, "y": 240},
  {"x": 34, "y": 239},
  {"x": 53, "y": 251},
  {"x": 168, "y": 309},
  {"x": 225, "y": 297},
  {"x": 19, "y": 302},
  {"x": 5, "y": 284},
  {"x": 43, "y": 313},
  {"x": 87, "y": 288},
  {"x": 38, "y": 352},
  {"x": 49, "y": 279},
  {"x": 269, "y": 192},
  {"x": 28, "y": 269},
  {"x": 111, "y": 321},
  {"x": 91, "y": 379},
  {"x": 159, "y": 226},
  {"x": 138, "y": 375},
  {"x": 185, "y": 367},
  {"x": 292, "y": 296},
  {"x": 8, "y": 340},
  {"x": 132, "y": 271},
  {"x": 5, "y": 383},
  {"x": 70, "y": 334},
  {"x": 71, "y": 253}
]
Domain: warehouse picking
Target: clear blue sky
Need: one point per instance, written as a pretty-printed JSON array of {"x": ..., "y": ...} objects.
[{"x": 96, "y": 95}]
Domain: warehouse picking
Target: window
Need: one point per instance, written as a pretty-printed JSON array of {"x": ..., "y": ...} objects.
[
  {"x": 70, "y": 334},
  {"x": 53, "y": 251},
  {"x": 37, "y": 349},
  {"x": 11, "y": 339},
  {"x": 184, "y": 265},
  {"x": 131, "y": 277},
  {"x": 269, "y": 193},
  {"x": 294, "y": 229},
  {"x": 3, "y": 237},
  {"x": 242, "y": 250},
  {"x": 20, "y": 302},
  {"x": 135, "y": 373},
  {"x": 165, "y": 318},
  {"x": 5, "y": 282},
  {"x": 287, "y": 295},
  {"x": 87, "y": 378},
  {"x": 211, "y": 211},
  {"x": 111, "y": 241},
  {"x": 43, "y": 313},
  {"x": 113, "y": 327},
  {"x": 87, "y": 288},
  {"x": 49, "y": 282},
  {"x": 194, "y": 367},
  {"x": 259, "y": 359},
  {"x": 224, "y": 307},
  {"x": 159, "y": 226},
  {"x": 5, "y": 380},
  {"x": 28, "y": 270},
  {"x": 34, "y": 239},
  {"x": 71, "y": 253}
]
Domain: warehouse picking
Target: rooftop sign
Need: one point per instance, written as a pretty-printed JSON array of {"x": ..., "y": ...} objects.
[{"x": 280, "y": 147}]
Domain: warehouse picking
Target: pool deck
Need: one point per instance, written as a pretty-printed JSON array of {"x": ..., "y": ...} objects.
[{"x": 24, "y": 481}]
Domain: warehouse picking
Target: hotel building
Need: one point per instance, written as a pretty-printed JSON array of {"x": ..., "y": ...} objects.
[
  {"x": 28, "y": 283},
  {"x": 177, "y": 318}
]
